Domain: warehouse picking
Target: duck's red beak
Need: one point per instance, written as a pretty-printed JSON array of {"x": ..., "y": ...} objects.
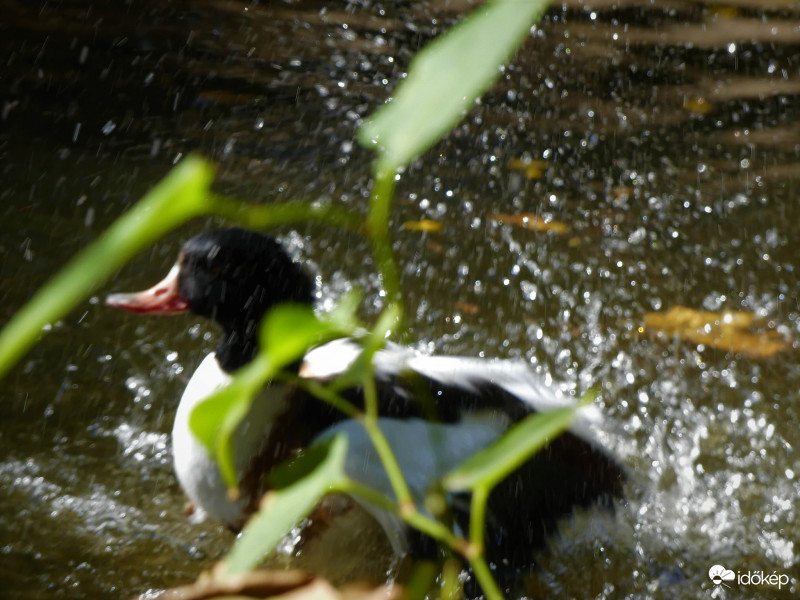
[{"x": 161, "y": 299}]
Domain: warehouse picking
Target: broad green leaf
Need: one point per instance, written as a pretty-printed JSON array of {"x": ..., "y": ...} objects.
[
  {"x": 224, "y": 447},
  {"x": 206, "y": 417},
  {"x": 371, "y": 343},
  {"x": 181, "y": 195},
  {"x": 214, "y": 420},
  {"x": 421, "y": 580},
  {"x": 289, "y": 330},
  {"x": 321, "y": 470},
  {"x": 343, "y": 315},
  {"x": 518, "y": 444},
  {"x": 445, "y": 78}
]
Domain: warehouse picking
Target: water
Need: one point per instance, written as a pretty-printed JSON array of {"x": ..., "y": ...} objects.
[{"x": 671, "y": 153}]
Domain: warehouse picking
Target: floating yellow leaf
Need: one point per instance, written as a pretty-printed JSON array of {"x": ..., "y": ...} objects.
[
  {"x": 520, "y": 164},
  {"x": 530, "y": 221},
  {"x": 423, "y": 225},
  {"x": 531, "y": 168},
  {"x": 698, "y": 106},
  {"x": 730, "y": 330},
  {"x": 723, "y": 11}
]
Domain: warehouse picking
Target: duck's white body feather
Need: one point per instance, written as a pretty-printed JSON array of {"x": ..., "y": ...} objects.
[
  {"x": 424, "y": 450},
  {"x": 467, "y": 373},
  {"x": 196, "y": 470}
]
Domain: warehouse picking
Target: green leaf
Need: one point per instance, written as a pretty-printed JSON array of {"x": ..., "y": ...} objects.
[
  {"x": 321, "y": 469},
  {"x": 370, "y": 344},
  {"x": 343, "y": 315},
  {"x": 420, "y": 582},
  {"x": 214, "y": 420},
  {"x": 445, "y": 78},
  {"x": 518, "y": 445},
  {"x": 289, "y": 330},
  {"x": 225, "y": 450},
  {"x": 206, "y": 417},
  {"x": 181, "y": 195}
]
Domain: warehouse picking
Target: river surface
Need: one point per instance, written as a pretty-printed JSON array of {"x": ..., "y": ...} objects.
[{"x": 665, "y": 137}]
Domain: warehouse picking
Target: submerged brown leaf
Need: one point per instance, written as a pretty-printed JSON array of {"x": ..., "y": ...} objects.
[
  {"x": 531, "y": 168},
  {"x": 729, "y": 330},
  {"x": 276, "y": 584},
  {"x": 620, "y": 192},
  {"x": 468, "y": 308},
  {"x": 530, "y": 221},
  {"x": 226, "y": 98}
]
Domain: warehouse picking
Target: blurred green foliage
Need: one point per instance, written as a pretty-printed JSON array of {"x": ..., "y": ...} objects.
[{"x": 443, "y": 83}]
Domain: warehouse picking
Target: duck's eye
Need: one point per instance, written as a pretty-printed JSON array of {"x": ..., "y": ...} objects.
[{"x": 210, "y": 266}]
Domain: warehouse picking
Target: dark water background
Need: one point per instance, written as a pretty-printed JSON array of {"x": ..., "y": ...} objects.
[{"x": 673, "y": 147}]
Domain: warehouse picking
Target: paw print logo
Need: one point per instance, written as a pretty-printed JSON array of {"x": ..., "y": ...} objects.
[{"x": 719, "y": 575}]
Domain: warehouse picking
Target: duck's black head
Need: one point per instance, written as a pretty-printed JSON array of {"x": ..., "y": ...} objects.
[{"x": 233, "y": 276}]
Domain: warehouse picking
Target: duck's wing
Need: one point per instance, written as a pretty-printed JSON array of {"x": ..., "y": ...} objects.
[
  {"x": 573, "y": 470},
  {"x": 446, "y": 388},
  {"x": 577, "y": 466},
  {"x": 424, "y": 452}
]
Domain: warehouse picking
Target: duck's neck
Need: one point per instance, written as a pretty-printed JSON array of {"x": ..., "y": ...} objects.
[{"x": 238, "y": 345}]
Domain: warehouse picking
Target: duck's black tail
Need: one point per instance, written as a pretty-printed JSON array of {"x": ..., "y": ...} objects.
[{"x": 525, "y": 509}]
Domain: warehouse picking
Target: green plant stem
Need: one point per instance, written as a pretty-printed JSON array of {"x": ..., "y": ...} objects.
[
  {"x": 433, "y": 529},
  {"x": 389, "y": 461},
  {"x": 417, "y": 520},
  {"x": 380, "y": 205},
  {"x": 477, "y": 517},
  {"x": 370, "y": 397},
  {"x": 259, "y": 216},
  {"x": 385, "y": 452},
  {"x": 372, "y": 427},
  {"x": 485, "y": 578},
  {"x": 324, "y": 393},
  {"x": 405, "y": 507},
  {"x": 380, "y": 240}
]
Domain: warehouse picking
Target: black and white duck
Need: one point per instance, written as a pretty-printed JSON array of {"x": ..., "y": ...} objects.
[{"x": 234, "y": 276}]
